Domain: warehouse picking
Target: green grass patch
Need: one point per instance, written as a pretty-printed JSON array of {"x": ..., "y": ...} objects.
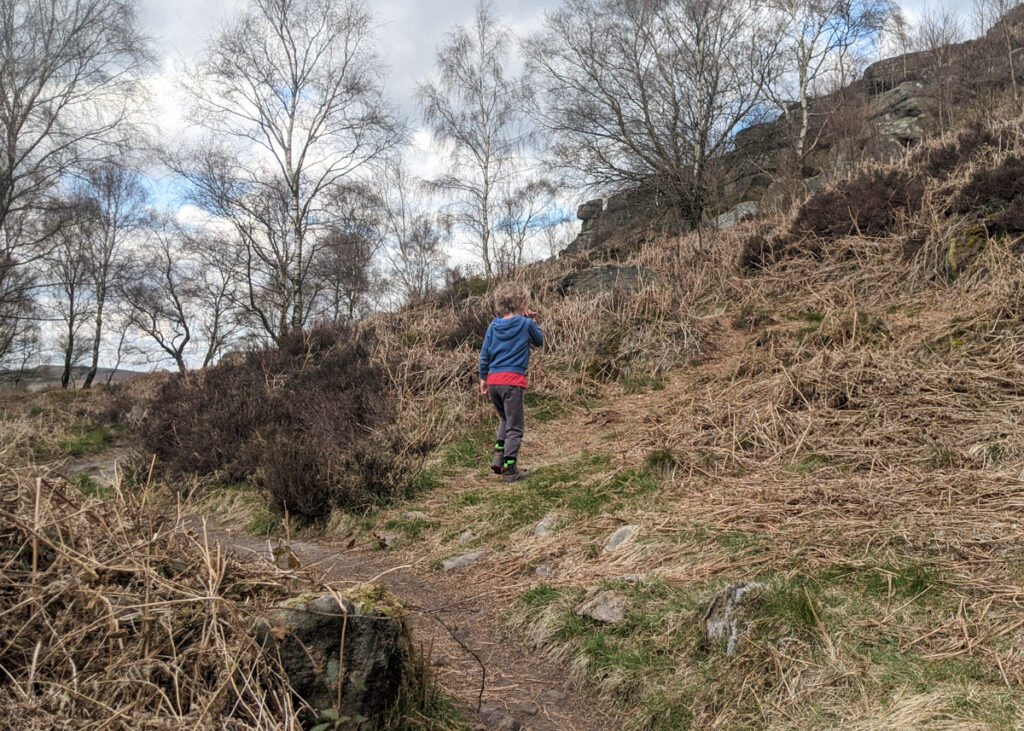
[
  {"x": 540, "y": 596},
  {"x": 91, "y": 487},
  {"x": 809, "y": 463},
  {"x": 543, "y": 408},
  {"x": 411, "y": 529},
  {"x": 468, "y": 498},
  {"x": 579, "y": 487},
  {"x": 88, "y": 439},
  {"x": 792, "y": 608},
  {"x": 263, "y": 522},
  {"x": 738, "y": 541},
  {"x": 642, "y": 384},
  {"x": 905, "y": 580},
  {"x": 471, "y": 450},
  {"x": 658, "y": 665},
  {"x": 661, "y": 460},
  {"x": 426, "y": 480}
]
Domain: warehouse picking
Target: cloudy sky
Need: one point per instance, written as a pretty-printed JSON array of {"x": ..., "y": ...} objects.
[
  {"x": 408, "y": 36},
  {"x": 409, "y": 32}
]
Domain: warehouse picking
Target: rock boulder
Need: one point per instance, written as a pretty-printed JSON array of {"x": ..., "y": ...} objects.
[
  {"x": 595, "y": 280},
  {"x": 726, "y": 619},
  {"x": 304, "y": 637}
]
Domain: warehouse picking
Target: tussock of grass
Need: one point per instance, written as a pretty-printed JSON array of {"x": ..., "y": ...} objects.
[{"x": 90, "y": 487}]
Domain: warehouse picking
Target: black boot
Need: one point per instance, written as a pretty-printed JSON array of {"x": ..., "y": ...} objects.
[
  {"x": 511, "y": 473},
  {"x": 498, "y": 458}
]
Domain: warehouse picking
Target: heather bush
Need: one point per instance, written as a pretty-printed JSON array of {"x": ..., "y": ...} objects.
[
  {"x": 998, "y": 191},
  {"x": 942, "y": 158},
  {"x": 297, "y": 420},
  {"x": 871, "y": 203},
  {"x": 469, "y": 324},
  {"x": 757, "y": 251}
]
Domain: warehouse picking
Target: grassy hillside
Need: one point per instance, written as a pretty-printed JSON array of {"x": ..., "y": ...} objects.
[{"x": 827, "y": 403}]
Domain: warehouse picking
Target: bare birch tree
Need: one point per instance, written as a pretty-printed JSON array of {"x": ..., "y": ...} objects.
[
  {"x": 415, "y": 235},
  {"x": 69, "y": 271},
  {"x": 69, "y": 91},
  {"x": 987, "y": 15},
  {"x": 179, "y": 295},
  {"x": 522, "y": 213},
  {"x": 898, "y": 36},
  {"x": 118, "y": 200},
  {"x": 936, "y": 32},
  {"x": 813, "y": 38},
  {"x": 19, "y": 307},
  {"x": 291, "y": 95},
  {"x": 647, "y": 93},
  {"x": 474, "y": 109},
  {"x": 347, "y": 272}
]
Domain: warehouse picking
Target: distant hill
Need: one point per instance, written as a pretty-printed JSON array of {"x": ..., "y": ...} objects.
[{"x": 42, "y": 377}]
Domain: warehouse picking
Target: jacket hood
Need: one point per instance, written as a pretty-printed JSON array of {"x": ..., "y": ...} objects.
[{"x": 510, "y": 328}]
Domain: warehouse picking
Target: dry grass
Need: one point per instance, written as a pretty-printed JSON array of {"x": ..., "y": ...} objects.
[{"x": 116, "y": 616}]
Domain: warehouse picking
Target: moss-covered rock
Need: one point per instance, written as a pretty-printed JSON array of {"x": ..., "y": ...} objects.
[
  {"x": 309, "y": 634},
  {"x": 962, "y": 248}
]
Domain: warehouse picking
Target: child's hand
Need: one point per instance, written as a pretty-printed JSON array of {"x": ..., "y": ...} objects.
[
  {"x": 483, "y": 388},
  {"x": 529, "y": 313}
]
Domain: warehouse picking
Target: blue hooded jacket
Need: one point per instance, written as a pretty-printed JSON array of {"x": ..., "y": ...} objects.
[{"x": 507, "y": 345}]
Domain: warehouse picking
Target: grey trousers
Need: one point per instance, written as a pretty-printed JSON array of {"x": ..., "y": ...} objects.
[{"x": 508, "y": 401}]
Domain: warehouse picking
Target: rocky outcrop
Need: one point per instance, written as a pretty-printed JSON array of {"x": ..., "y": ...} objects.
[
  {"x": 610, "y": 224},
  {"x": 595, "y": 280},
  {"x": 307, "y": 636},
  {"x": 736, "y": 215},
  {"x": 606, "y": 607},
  {"x": 897, "y": 103}
]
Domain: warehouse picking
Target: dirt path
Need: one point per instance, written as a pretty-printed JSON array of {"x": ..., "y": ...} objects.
[
  {"x": 453, "y": 617},
  {"x": 460, "y": 627}
]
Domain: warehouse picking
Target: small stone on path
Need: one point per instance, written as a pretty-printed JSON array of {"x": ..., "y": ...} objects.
[
  {"x": 498, "y": 718},
  {"x": 387, "y": 540},
  {"x": 527, "y": 709},
  {"x": 465, "y": 537},
  {"x": 725, "y": 621},
  {"x": 607, "y": 607},
  {"x": 412, "y": 515},
  {"x": 461, "y": 561},
  {"x": 619, "y": 537},
  {"x": 545, "y": 527},
  {"x": 552, "y": 696}
]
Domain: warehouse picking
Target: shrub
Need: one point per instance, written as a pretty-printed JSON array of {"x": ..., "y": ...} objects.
[
  {"x": 297, "y": 420},
  {"x": 941, "y": 159},
  {"x": 469, "y": 325},
  {"x": 871, "y": 203},
  {"x": 999, "y": 191},
  {"x": 757, "y": 251},
  {"x": 460, "y": 286}
]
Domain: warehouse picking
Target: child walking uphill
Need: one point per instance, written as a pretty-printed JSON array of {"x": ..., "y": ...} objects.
[{"x": 503, "y": 362}]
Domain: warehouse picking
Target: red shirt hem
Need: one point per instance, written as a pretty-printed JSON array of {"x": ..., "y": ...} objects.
[{"x": 506, "y": 379}]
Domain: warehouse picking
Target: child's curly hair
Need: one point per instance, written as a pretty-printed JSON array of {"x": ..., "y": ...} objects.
[{"x": 509, "y": 297}]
